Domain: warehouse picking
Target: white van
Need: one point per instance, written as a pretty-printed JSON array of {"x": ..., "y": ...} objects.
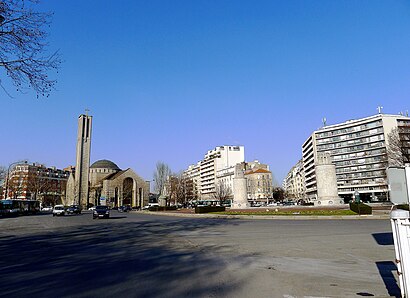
[{"x": 58, "y": 210}]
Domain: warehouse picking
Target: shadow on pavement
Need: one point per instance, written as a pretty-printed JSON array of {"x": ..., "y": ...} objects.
[
  {"x": 123, "y": 259},
  {"x": 383, "y": 238},
  {"x": 386, "y": 269}
]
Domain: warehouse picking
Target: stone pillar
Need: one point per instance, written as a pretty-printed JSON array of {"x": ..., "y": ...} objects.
[
  {"x": 70, "y": 191},
  {"x": 82, "y": 168},
  {"x": 326, "y": 182},
  {"x": 240, "y": 195}
]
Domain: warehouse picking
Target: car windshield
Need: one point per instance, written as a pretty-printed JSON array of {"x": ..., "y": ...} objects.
[
  {"x": 101, "y": 207},
  {"x": 58, "y": 208}
]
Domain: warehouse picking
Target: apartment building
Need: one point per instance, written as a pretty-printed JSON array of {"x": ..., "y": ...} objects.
[
  {"x": 221, "y": 157},
  {"x": 191, "y": 177},
  {"x": 360, "y": 151},
  {"x": 36, "y": 182},
  {"x": 294, "y": 183},
  {"x": 258, "y": 182},
  {"x": 204, "y": 173}
]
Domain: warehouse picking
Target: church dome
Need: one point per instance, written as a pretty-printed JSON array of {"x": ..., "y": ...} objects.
[{"x": 104, "y": 164}]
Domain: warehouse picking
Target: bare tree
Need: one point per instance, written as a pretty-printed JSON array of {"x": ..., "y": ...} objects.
[
  {"x": 222, "y": 192},
  {"x": 178, "y": 188},
  {"x": 161, "y": 175},
  {"x": 15, "y": 186},
  {"x": 23, "y": 46},
  {"x": 3, "y": 171},
  {"x": 38, "y": 186},
  {"x": 397, "y": 149}
]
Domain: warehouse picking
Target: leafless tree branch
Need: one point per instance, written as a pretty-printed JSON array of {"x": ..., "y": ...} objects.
[{"x": 23, "y": 46}]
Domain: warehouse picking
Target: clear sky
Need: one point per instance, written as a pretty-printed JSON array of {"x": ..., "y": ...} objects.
[{"x": 169, "y": 80}]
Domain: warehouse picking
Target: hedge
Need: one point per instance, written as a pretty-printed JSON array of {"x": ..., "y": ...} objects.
[
  {"x": 360, "y": 208},
  {"x": 403, "y": 206},
  {"x": 207, "y": 209},
  {"x": 162, "y": 208}
]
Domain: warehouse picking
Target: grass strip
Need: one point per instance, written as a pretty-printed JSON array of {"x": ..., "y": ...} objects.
[{"x": 293, "y": 213}]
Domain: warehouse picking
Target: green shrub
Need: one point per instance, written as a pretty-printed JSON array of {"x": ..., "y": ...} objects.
[
  {"x": 403, "y": 206},
  {"x": 162, "y": 208},
  {"x": 207, "y": 209},
  {"x": 360, "y": 208}
]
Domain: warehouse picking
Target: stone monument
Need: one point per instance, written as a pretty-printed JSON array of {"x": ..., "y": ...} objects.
[
  {"x": 326, "y": 182},
  {"x": 240, "y": 197}
]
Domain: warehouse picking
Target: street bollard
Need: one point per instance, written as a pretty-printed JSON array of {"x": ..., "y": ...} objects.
[{"x": 401, "y": 234}]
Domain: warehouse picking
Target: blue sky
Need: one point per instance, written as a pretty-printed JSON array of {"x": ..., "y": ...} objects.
[{"x": 169, "y": 80}]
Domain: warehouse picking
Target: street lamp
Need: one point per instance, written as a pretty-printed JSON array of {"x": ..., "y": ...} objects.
[{"x": 8, "y": 173}]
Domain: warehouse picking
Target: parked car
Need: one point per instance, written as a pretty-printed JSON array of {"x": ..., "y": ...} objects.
[
  {"x": 74, "y": 209},
  {"x": 59, "y": 210},
  {"x": 47, "y": 209},
  {"x": 101, "y": 212},
  {"x": 124, "y": 208},
  {"x": 91, "y": 208}
]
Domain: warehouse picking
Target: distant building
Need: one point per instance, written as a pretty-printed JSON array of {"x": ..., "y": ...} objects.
[
  {"x": 37, "y": 182},
  {"x": 259, "y": 182},
  {"x": 192, "y": 178},
  {"x": 360, "y": 150},
  {"x": 294, "y": 183},
  {"x": 216, "y": 172},
  {"x": 109, "y": 185},
  {"x": 102, "y": 183},
  {"x": 215, "y": 160}
]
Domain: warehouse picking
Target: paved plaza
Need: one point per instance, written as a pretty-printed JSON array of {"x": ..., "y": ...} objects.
[{"x": 143, "y": 255}]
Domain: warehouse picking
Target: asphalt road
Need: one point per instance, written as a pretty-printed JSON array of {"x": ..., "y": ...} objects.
[{"x": 141, "y": 255}]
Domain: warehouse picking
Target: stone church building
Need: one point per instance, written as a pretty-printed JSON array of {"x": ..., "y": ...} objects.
[
  {"x": 109, "y": 185},
  {"x": 117, "y": 187},
  {"x": 102, "y": 183}
]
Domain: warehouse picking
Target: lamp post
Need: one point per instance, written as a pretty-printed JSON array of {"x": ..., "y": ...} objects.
[{"x": 7, "y": 176}]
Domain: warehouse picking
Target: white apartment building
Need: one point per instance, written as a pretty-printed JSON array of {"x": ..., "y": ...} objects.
[
  {"x": 204, "y": 173},
  {"x": 359, "y": 150},
  {"x": 222, "y": 157},
  {"x": 294, "y": 183},
  {"x": 192, "y": 175}
]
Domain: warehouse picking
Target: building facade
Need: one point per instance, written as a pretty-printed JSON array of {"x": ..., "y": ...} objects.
[
  {"x": 360, "y": 151},
  {"x": 213, "y": 177},
  {"x": 294, "y": 183},
  {"x": 36, "y": 182},
  {"x": 191, "y": 177},
  {"x": 215, "y": 160},
  {"x": 259, "y": 182},
  {"x": 109, "y": 185}
]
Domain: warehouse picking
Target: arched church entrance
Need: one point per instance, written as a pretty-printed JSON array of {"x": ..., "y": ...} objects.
[{"x": 127, "y": 188}]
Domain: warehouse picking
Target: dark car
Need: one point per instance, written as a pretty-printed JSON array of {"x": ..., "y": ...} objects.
[
  {"x": 101, "y": 212},
  {"x": 124, "y": 208},
  {"x": 74, "y": 209}
]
